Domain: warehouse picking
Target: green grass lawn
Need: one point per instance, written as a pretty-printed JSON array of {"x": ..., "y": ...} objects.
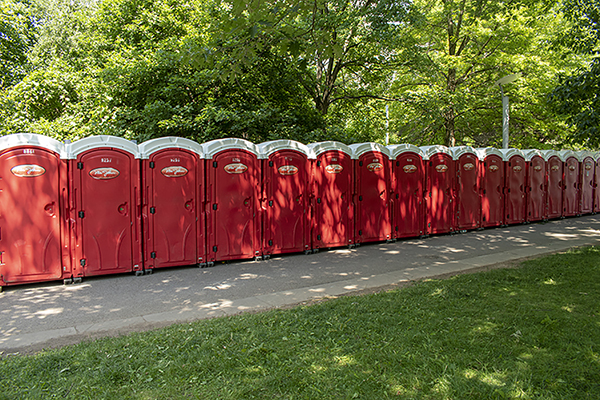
[{"x": 532, "y": 332}]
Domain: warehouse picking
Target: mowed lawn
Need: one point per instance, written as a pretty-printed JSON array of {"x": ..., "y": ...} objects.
[{"x": 531, "y": 332}]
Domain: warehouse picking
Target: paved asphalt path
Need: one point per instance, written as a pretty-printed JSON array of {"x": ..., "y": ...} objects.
[{"x": 48, "y": 315}]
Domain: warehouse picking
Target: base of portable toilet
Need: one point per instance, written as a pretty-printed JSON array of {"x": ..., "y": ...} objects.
[
  {"x": 596, "y": 157},
  {"x": 105, "y": 206},
  {"x": 491, "y": 184},
  {"x": 439, "y": 191},
  {"x": 286, "y": 216},
  {"x": 34, "y": 241},
  {"x": 372, "y": 189},
  {"x": 468, "y": 198},
  {"x": 407, "y": 183},
  {"x": 330, "y": 191},
  {"x": 554, "y": 183},
  {"x": 172, "y": 203},
  {"x": 537, "y": 203},
  {"x": 515, "y": 178},
  {"x": 233, "y": 192},
  {"x": 571, "y": 193}
]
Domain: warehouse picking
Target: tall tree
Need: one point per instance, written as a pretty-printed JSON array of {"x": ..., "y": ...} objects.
[
  {"x": 577, "y": 96},
  {"x": 17, "y": 36}
]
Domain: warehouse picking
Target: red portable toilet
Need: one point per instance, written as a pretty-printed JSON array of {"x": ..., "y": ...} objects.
[
  {"x": 491, "y": 184},
  {"x": 537, "y": 203},
  {"x": 408, "y": 185},
  {"x": 331, "y": 189},
  {"x": 105, "y": 204},
  {"x": 172, "y": 203},
  {"x": 468, "y": 197},
  {"x": 232, "y": 200},
  {"x": 34, "y": 241},
  {"x": 596, "y": 157},
  {"x": 286, "y": 217},
  {"x": 587, "y": 181},
  {"x": 371, "y": 196},
  {"x": 515, "y": 184},
  {"x": 554, "y": 185},
  {"x": 439, "y": 190},
  {"x": 571, "y": 195}
]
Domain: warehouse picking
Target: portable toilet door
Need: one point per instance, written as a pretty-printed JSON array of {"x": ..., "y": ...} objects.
[
  {"x": 105, "y": 206},
  {"x": 408, "y": 182},
  {"x": 554, "y": 183},
  {"x": 491, "y": 183},
  {"x": 232, "y": 200},
  {"x": 172, "y": 203},
  {"x": 587, "y": 181},
  {"x": 331, "y": 188},
  {"x": 34, "y": 241},
  {"x": 571, "y": 195},
  {"x": 372, "y": 188},
  {"x": 537, "y": 208},
  {"x": 439, "y": 196},
  {"x": 516, "y": 174},
  {"x": 596, "y": 158},
  {"x": 468, "y": 197},
  {"x": 286, "y": 226}
]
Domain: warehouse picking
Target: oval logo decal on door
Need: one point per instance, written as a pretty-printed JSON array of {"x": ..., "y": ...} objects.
[
  {"x": 288, "y": 170},
  {"x": 494, "y": 168},
  {"x": 409, "y": 169},
  {"x": 441, "y": 168},
  {"x": 374, "y": 167},
  {"x": 517, "y": 168},
  {"x": 571, "y": 167},
  {"x": 334, "y": 169},
  {"x": 104, "y": 173},
  {"x": 555, "y": 168},
  {"x": 538, "y": 168},
  {"x": 468, "y": 166},
  {"x": 235, "y": 168},
  {"x": 175, "y": 171},
  {"x": 28, "y": 170},
  {"x": 588, "y": 166}
]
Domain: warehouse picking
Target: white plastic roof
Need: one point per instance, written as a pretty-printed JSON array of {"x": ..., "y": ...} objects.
[
  {"x": 507, "y": 154},
  {"x": 33, "y": 139},
  {"x": 102, "y": 141},
  {"x": 171, "y": 142},
  {"x": 215, "y": 146},
  {"x": 547, "y": 154},
  {"x": 315, "y": 149},
  {"x": 566, "y": 154},
  {"x": 268, "y": 148},
  {"x": 397, "y": 149},
  {"x": 583, "y": 154},
  {"x": 458, "y": 151},
  {"x": 431, "y": 150},
  {"x": 358, "y": 149},
  {"x": 483, "y": 152},
  {"x": 530, "y": 153}
]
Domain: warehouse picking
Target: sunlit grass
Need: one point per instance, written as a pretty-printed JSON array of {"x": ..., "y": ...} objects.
[{"x": 531, "y": 332}]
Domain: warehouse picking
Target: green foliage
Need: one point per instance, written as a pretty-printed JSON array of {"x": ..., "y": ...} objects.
[
  {"x": 17, "y": 33},
  {"x": 576, "y": 96},
  {"x": 523, "y": 333}
]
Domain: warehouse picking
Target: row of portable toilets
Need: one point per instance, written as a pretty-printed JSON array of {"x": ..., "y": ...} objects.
[{"x": 105, "y": 205}]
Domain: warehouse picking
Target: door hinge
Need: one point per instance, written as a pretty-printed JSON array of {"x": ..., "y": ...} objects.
[
  {"x": 270, "y": 163},
  {"x": 359, "y": 233},
  {"x": 270, "y": 243},
  {"x": 152, "y": 210},
  {"x": 153, "y": 254},
  {"x": 215, "y": 248},
  {"x": 318, "y": 237},
  {"x": 81, "y": 214},
  {"x": 359, "y": 198},
  {"x": 360, "y": 163},
  {"x": 270, "y": 203},
  {"x": 318, "y": 163},
  {"x": 152, "y": 164},
  {"x": 215, "y": 164},
  {"x": 82, "y": 262},
  {"x": 79, "y": 165},
  {"x": 318, "y": 200},
  {"x": 215, "y": 206}
]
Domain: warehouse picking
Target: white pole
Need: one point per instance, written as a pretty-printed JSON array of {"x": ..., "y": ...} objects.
[
  {"x": 387, "y": 124},
  {"x": 505, "y": 121}
]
